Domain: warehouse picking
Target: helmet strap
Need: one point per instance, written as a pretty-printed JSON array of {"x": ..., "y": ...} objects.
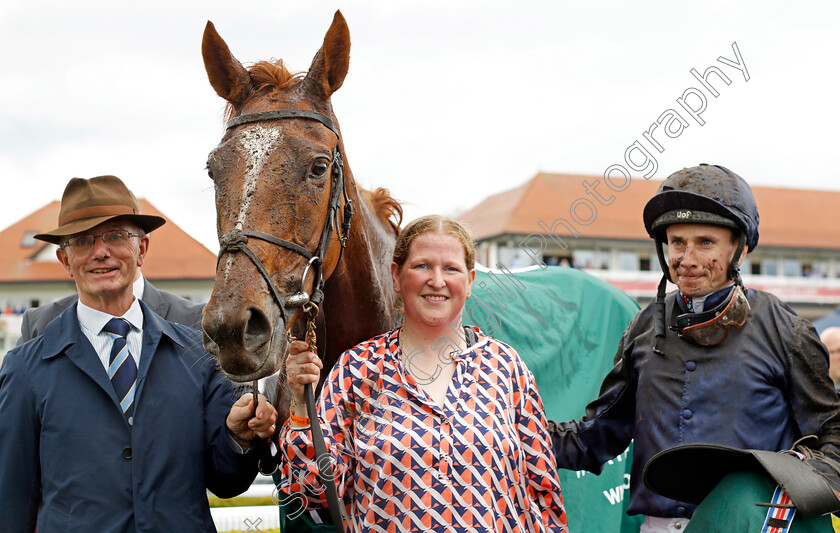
[
  {"x": 659, "y": 316},
  {"x": 734, "y": 272},
  {"x": 660, "y": 253}
]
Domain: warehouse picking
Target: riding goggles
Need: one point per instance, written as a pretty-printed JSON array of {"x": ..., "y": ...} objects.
[{"x": 711, "y": 327}]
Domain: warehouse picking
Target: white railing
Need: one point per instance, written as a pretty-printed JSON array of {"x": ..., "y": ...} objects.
[{"x": 256, "y": 519}]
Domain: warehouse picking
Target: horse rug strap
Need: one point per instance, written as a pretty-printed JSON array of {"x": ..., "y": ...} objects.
[
  {"x": 809, "y": 490},
  {"x": 780, "y": 514}
]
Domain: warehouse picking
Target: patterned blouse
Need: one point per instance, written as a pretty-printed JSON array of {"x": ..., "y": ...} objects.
[{"x": 483, "y": 462}]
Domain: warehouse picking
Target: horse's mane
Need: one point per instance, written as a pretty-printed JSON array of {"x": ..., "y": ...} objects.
[
  {"x": 265, "y": 75},
  {"x": 387, "y": 209}
]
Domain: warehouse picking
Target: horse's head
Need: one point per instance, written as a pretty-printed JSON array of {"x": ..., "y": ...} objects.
[{"x": 274, "y": 174}]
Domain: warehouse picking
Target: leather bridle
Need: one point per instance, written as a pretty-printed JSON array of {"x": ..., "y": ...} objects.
[{"x": 236, "y": 240}]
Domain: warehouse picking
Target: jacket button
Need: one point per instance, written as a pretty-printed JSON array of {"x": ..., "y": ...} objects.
[
  {"x": 687, "y": 414},
  {"x": 126, "y": 453},
  {"x": 690, "y": 366}
]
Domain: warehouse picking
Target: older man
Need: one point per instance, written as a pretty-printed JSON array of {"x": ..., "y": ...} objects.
[
  {"x": 170, "y": 306},
  {"x": 114, "y": 420}
]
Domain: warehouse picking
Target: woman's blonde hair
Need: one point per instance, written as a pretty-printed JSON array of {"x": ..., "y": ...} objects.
[{"x": 433, "y": 224}]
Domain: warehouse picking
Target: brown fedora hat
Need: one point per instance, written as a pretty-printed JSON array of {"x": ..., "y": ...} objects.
[{"x": 88, "y": 203}]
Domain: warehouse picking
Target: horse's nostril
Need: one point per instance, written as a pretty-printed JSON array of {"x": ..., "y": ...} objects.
[{"x": 257, "y": 329}]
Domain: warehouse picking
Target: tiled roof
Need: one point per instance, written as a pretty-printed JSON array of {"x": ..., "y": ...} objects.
[
  {"x": 173, "y": 254},
  {"x": 790, "y": 218}
]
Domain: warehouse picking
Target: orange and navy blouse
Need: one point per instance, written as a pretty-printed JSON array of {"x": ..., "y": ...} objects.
[{"x": 482, "y": 463}]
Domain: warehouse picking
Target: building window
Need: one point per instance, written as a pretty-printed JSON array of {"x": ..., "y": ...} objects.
[
  {"x": 591, "y": 259},
  {"x": 29, "y": 240},
  {"x": 558, "y": 260},
  {"x": 769, "y": 267},
  {"x": 514, "y": 257},
  {"x": 583, "y": 258},
  {"x": 820, "y": 268},
  {"x": 644, "y": 264},
  {"x": 628, "y": 261},
  {"x": 745, "y": 266},
  {"x": 755, "y": 268},
  {"x": 791, "y": 268}
]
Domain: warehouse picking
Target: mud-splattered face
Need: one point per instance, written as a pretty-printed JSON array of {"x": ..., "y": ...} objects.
[{"x": 699, "y": 256}]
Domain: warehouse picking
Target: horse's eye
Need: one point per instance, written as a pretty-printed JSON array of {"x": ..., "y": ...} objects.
[{"x": 318, "y": 169}]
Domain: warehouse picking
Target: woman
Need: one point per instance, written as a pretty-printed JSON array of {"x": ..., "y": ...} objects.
[{"x": 432, "y": 426}]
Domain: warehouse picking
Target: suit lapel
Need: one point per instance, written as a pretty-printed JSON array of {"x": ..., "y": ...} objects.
[
  {"x": 154, "y": 327},
  {"x": 64, "y": 335}
]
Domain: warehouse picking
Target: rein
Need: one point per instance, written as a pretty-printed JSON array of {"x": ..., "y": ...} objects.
[{"x": 237, "y": 241}]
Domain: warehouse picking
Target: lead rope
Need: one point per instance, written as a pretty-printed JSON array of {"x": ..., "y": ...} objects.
[
  {"x": 265, "y": 462},
  {"x": 322, "y": 457}
]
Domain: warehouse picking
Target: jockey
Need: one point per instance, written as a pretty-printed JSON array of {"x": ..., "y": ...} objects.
[{"x": 711, "y": 362}]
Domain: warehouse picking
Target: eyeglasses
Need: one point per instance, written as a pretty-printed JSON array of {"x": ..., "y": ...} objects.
[{"x": 114, "y": 238}]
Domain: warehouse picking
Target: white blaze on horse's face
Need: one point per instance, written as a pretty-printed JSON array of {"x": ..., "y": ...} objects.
[{"x": 257, "y": 141}]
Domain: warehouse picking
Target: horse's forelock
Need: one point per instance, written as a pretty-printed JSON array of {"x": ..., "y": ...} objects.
[{"x": 268, "y": 75}]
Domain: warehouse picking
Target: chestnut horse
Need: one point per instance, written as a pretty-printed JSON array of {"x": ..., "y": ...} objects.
[{"x": 280, "y": 188}]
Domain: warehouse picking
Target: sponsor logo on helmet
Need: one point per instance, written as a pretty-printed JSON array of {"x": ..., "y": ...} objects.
[{"x": 684, "y": 214}]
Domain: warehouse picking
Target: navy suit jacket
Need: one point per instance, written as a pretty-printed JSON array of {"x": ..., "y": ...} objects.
[
  {"x": 69, "y": 458},
  {"x": 170, "y": 306}
]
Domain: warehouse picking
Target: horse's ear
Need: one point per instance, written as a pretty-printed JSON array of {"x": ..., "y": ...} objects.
[
  {"x": 331, "y": 63},
  {"x": 227, "y": 75}
]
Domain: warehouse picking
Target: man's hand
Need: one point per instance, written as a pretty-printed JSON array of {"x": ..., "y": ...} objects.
[{"x": 244, "y": 427}]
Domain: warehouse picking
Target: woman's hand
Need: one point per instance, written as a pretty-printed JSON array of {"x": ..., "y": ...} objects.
[{"x": 302, "y": 367}]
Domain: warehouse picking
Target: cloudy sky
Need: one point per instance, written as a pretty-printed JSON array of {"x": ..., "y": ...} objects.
[{"x": 446, "y": 101}]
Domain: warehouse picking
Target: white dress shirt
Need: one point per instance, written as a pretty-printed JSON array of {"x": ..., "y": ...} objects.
[{"x": 92, "y": 321}]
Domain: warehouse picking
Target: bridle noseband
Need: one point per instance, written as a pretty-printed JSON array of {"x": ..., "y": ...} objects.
[{"x": 237, "y": 240}]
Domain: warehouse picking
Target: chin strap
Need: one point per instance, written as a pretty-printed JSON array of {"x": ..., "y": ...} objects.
[
  {"x": 734, "y": 271},
  {"x": 659, "y": 316}
]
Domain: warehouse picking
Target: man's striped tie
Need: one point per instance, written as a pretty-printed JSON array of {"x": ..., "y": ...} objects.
[{"x": 122, "y": 370}]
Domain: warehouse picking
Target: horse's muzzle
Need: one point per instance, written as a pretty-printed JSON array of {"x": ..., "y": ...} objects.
[{"x": 241, "y": 341}]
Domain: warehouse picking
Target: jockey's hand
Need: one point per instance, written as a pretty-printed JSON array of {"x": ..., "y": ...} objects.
[
  {"x": 302, "y": 367},
  {"x": 244, "y": 426}
]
